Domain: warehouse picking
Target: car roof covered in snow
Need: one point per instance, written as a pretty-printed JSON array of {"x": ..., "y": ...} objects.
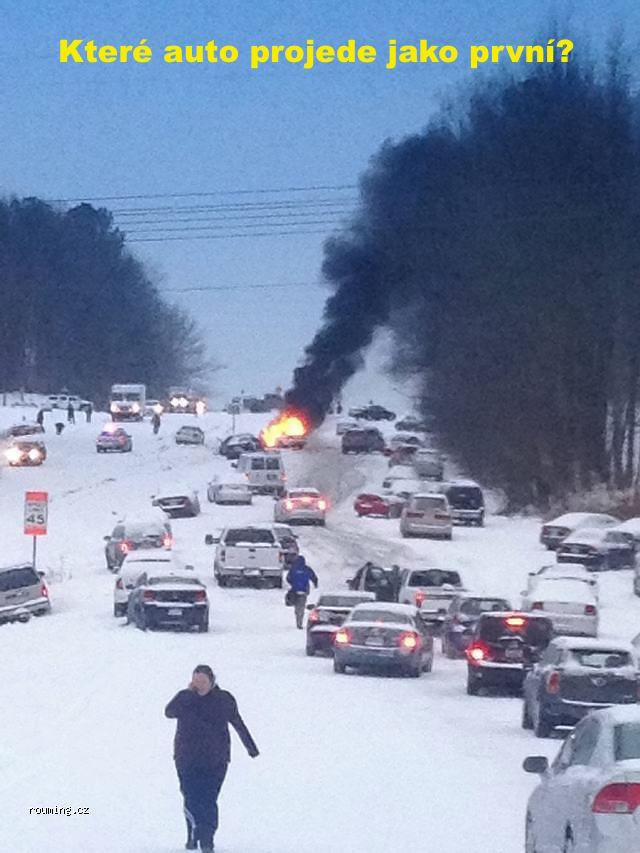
[
  {"x": 155, "y": 555},
  {"x": 592, "y": 644},
  {"x": 631, "y": 525},
  {"x": 571, "y": 518},
  {"x": 586, "y": 534},
  {"x": 617, "y": 715},
  {"x": 467, "y": 484},
  {"x": 361, "y": 596},
  {"x": 384, "y": 607}
]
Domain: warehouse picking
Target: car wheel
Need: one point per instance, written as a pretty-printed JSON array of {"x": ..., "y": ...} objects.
[
  {"x": 310, "y": 650},
  {"x": 277, "y": 583},
  {"x": 119, "y": 610},
  {"x": 340, "y": 668},
  {"x": 428, "y": 666},
  {"x": 141, "y": 620},
  {"x": 222, "y": 581},
  {"x": 527, "y": 722},
  {"x": 636, "y": 586},
  {"x": 447, "y": 649},
  {"x": 448, "y": 537},
  {"x": 210, "y": 496},
  {"x": 473, "y": 685},
  {"x": 203, "y": 626},
  {"x": 542, "y": 726}
]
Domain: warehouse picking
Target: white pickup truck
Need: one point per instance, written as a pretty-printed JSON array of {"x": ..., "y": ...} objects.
[{"x": 249, "y": 555}]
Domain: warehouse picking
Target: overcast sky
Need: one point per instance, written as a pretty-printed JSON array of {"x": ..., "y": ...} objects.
[{"x": 94, "y": 131}]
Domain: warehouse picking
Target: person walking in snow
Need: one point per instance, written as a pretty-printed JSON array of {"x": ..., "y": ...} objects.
[
  {"x": 155, "y": 423},
  {"x": 202, "y": 751},
  {"x": 300, "y": 577},
  {"x": 40, "y": 418},
  {"x": 71, "y": 415},
  {"x": 88, "y": 412}
]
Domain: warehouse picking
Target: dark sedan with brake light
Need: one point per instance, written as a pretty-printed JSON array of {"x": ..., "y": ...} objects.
[
  {"x": 575, "y": 676},
  {"x": 460, "y": 620},
  {"x": 502, "y": 647},
  {"x": 169, "y": 601},
  {"x": 327, "y": 615},
  {"x": 389, "y": 636}
]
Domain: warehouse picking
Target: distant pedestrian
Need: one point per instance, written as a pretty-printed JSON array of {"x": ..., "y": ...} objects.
[
  {"x": 40, "y": 418},
  {"x": 202, "y": 751},
  {"x": 71, "y": 415},
  {"x": 300, "y": 577},
  {"x": 155, "y": 423},
  {"x": 88, "y": 412},
  {"x": 59, "y": 427}
]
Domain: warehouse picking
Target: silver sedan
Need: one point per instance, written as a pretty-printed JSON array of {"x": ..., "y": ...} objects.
[
  {"x": 301, "y": 505},
  {"x": 229, "y": 493}
]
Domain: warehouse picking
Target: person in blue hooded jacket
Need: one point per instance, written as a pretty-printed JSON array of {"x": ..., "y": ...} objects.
[{"x": 300, "y": 577}]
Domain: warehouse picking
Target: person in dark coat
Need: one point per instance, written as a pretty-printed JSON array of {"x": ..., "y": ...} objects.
[
  {"x": 71, "y": 415},
  {"x": 88, "y": 412},
  {"x": 155, "y": 423},
  {"x": 40, "y": 417},
  {"x": 202, "y": 751},
  {"x": 299, "y": 577}
]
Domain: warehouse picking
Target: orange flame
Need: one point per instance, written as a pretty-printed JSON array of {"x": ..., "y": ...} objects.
[{"x": 287, "y": 424}]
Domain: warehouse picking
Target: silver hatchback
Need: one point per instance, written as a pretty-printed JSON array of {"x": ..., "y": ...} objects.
[
  {"x": 23, "y": 592},
  {"x": 427, "y": 514}
]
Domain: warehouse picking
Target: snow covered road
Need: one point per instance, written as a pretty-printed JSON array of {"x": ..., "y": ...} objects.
[{"x": 369, "y": 764}]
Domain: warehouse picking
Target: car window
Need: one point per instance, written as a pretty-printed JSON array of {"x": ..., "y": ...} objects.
[
  {"x": 380, "y": 616},
  {"x": 601, "y": 659},
  {"x": 426, "y": 504},
  {"x": 626, "y": 741},
  {"x": 475, "y": 606},
  {"x": 257, "y": 464},
  {"x": 585, "y": 741},
  {"x": 18, "y": 578},
  {"x": 161, "y": 579},
  {"x": 434, "y": 577},
  {"x": 273, "y": 464},
  {"x": 339, "y": 601},
  {"x": 249, "y": 535}
]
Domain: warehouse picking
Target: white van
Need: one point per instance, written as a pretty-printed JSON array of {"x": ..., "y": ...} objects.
[{"x": 264, "y": 472}]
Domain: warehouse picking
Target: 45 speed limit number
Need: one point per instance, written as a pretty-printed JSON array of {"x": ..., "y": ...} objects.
[{"x": 36, "y": 512}]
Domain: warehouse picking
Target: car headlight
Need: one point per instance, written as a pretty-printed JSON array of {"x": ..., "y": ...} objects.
[
  {"x": 135, "y": 407},
  {"x": 13, "y": 454},
  {"x": 114, "y": 407},
  {"x": 34, "y": 454}
]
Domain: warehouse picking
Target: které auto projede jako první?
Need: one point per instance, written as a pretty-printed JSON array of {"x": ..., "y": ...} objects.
[{"x": 308, "y": 55}]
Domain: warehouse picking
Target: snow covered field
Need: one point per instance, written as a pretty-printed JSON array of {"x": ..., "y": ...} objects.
[{"x": 369, "y": 764}]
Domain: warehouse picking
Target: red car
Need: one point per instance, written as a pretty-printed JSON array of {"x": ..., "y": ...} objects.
[{"x": 385, "y": 507}]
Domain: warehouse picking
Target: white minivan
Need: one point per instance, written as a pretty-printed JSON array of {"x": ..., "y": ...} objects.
[{"x": 264, "y": 472}]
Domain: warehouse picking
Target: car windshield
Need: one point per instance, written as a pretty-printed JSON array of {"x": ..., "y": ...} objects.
[
  {"x": 273, "y": 464},
  {"x": 601, "y": 659},
  {"x": 425, "y": 504},
  {"x": 172, "y": 579},
  {"x": 18, "y": 578},
  {"x": 618, "y": 538},
  {"x": 475, "y": 606},
  {"x": 466, "y": 497},
  {"x": 339, "y": 601},
  {"x": 380, "y": 616},
  {"x": 534, "y": 632},
  {"x": 303, "y": 494},
  {"x": 251, "y": 535},
  {"x": 434, "y": 577},
  {"x": 626, "y": 741}
]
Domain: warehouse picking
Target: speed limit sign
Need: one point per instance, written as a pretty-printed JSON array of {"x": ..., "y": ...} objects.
[{"x": 36, "y": 510}]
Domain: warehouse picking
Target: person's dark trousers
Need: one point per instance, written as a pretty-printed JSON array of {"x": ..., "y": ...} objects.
[{"x": 200, "y": 787}]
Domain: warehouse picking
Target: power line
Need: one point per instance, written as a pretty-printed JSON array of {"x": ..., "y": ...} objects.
[
  {"x": 259, "y": 191},
  {"x": 225, "y": 236},
  {"x": 214, "y": 287}
]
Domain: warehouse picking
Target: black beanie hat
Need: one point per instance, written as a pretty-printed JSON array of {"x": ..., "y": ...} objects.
[{"x": 206, "y": 670}]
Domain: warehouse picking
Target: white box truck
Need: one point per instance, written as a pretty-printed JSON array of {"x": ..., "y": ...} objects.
[{"x": 127, "y": 402}]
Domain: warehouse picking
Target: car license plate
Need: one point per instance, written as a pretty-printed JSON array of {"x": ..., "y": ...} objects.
[
  {"x": 174, "y": 611},
  {"x": 252, "y": 573},
  {"x": 374, "y": 641},
  {"x": 513, "y": 654}
]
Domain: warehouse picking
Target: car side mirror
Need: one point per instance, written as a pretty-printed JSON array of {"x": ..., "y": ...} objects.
[
  {"x": 209, "y": 539},
  {"x": 107, "y": 538},
  {"x": 349, "y": 581},
  {"x": 310, "y": 606},
  {"x": 42, "y": 574},
  {"x": 234, "y": 464},
  {"x": 536, "y": 764}
]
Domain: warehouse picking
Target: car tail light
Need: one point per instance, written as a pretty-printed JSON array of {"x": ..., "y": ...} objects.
[
  {"x": 442, "y": 516},
  {"x": 149, "y": 595},
  {"x": 420, "y": 597},
  {"x": 414, "y": 515},
  {"x": 409, "y": 640},
  {"x": 119, "y": 584},
  {"x": 342, "y": 637},
  {"x": 201, "y": 595},
  {"x": 125, "y": 547},
  {"x": 167, "y": 542},
  {"x": 223, "y": 554},
  {"x": 322, "y": 505},
  {"x": 515, "y": 621},
  {"x": 288, "y": 505},
  {"x": 314, "y": 616},
  {"x": 617, "y": 798},
  {"x": 477, "y": 652},
  {"x": 553, "y": 682},
  {"x": 44, "y": 592},
  {"x": 537, "y": 605},
  {"x": 590, "y": 610}
]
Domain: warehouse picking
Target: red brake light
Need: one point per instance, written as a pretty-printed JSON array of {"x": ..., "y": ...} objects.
[
  {"x": 477, "y": 652},
  {"x": 409, "y": 640},
  {"x": 420, "y": 597},
  {"x": 119, "y": 584},
  {"x": 314, "y": 616},
  {"x": 342, "y": 637},
  {"x": 553, "y": 682},
  {"x": 124, "y": 547},
  {"x": 515, "y": 621},
  {"x": 149, "y": 595},
  {"x": 322, "y": 504},
  {"x": 44, "y": 592},
  {"x": 288, "y": 505},
  {"x": 617, "y": 798},
  {"x": 589, "y": 610},
  {"x": 537, "y": 605},
  {"x": 168, "y": 542},
  {"x": 201, "y": 595}
]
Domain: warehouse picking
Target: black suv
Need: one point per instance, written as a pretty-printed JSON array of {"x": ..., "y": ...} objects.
[
  {"x": 503, "y": 647},
  {"x": 377, "y": 413},
  {"x": 234, "y": 445},
  {"x": 363, "y": 441},
  {"x": 131, "y": 535}
]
